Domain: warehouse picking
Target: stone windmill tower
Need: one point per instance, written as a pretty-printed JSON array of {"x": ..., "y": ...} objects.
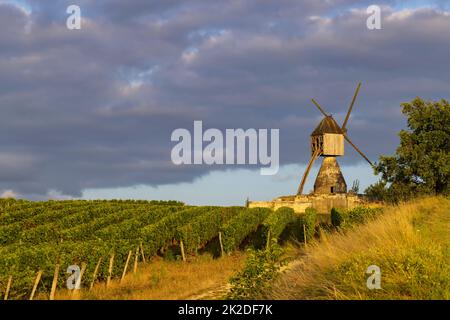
[{"x": 327, "y": 141}]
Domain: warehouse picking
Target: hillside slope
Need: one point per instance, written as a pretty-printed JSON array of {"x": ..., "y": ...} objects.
[{"x": 410, "y": 243}]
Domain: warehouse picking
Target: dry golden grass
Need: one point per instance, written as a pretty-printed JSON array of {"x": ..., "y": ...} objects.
[
  {"x": 168, "y": 280},
  {"x": 409, "y": 242}
]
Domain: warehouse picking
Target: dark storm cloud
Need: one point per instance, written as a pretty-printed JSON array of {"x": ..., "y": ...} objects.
[{"x": 95, "y": 107}]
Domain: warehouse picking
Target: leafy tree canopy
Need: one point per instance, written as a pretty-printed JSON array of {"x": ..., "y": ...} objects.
[{"x": 421, "y": 163}]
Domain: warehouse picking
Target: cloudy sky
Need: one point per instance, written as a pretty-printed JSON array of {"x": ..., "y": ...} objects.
[{"x": 89, "y": 113}]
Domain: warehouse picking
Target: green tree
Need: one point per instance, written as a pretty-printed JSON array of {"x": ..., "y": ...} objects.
[{"x": 421, "y": 164}]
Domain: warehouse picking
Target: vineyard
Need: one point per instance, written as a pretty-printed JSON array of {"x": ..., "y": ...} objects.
[{"x": 39, "y": 240}]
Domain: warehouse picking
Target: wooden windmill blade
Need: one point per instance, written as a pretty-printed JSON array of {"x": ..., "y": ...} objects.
[
  {"x": 351, "y": 107},
  {"x": 308, "y": 168},
  {"x": 356, "y": 148},
  {"x": 319, "y": 107}
]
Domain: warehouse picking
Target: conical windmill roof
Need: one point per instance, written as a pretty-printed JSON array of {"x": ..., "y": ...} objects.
[{"x": 327, "y": 125}]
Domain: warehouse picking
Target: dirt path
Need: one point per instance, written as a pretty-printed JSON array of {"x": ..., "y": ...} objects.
[{"x": 214, "y": 293}]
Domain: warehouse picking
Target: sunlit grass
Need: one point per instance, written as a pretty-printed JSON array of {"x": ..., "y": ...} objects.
[
  {"x": 410, "y": 243},
  {"x": 168, "y": 280}
]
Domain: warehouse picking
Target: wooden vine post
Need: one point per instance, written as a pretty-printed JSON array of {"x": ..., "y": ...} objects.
[
  {"x": 54, "y": 283},
  {"x": 8, "y": 287},
  {"x": 76, "y": 290},
  {"x": 182, "y": 250},
  {"x": 94, "y": 276},
  {"x": 110, "y": 269},
  {"x": 142, "y": 252},
  {"x": 268, "y": 239},
  {"x": 36, "y": 283},
  {"x": 221, "y": 244},
  {"x": 126, "y": 266},
  {"x": 304, "y": 233},
  {"x": 83, "y": 269},
  {"x": 136, "y": 256}
]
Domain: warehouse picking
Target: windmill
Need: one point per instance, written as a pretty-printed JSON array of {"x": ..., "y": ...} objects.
[{"x": 327, "y": 141}]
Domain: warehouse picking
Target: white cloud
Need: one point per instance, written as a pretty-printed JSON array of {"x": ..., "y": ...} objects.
[
  {"x": 8, "y": 194},
  {"x": 189, "y": 55}
]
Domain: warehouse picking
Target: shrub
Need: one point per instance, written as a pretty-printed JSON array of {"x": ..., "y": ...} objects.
[
  {"x": 309, "y": 220},
  {"x": 260, "y": 269}
]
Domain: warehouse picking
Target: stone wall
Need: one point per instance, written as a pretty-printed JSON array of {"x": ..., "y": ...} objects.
[{"x": 323, "y": 203}]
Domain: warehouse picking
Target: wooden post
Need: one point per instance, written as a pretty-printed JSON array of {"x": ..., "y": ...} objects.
[
  {"x": 76, "y": 290},
  {"x": 221, "y": 244},
  {"x": 111, "y": 262},
  {"x": 54, "y": 282},
  {"x": 268, "y": 239},
  {"x": 182, "y": 250},
  {"x": 94, "y": 276},
  {"x": 142, "y": 252},
  {"x": 136, "y": 256},
  {"x": 78, "y": 283},
  {"x": 304, "y": 233},
  {"x": 36, "y": 283},
  {"x": 8, "y": 287},
  {"x": 126, "y": 266}
]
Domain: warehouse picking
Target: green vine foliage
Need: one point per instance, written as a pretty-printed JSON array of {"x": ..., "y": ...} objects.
[
  {"x": 276, "y": 222},
  {"x": 197, "y": 232},
  {"x": 241, "y": 225},
  {"x": 345, "y": 219},
  {"x": 261, "y": 268},
  {"x": 35, "y": 236},
  {"x": 161, "y": 233}
]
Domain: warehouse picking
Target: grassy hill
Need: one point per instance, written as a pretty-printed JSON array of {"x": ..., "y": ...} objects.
[{"x": 410, "y": 243}]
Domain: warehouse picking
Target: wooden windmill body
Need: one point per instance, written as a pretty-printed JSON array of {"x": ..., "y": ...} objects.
[
  {"x": 330, "y": 189},
  {"x": 327, "y": 141}
]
